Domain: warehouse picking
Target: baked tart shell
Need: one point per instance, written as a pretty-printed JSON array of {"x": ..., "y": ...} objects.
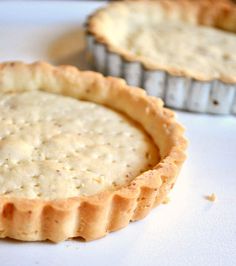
[
  {"x": 179, "y": 89},
  {"x": 92, "y": 217}
]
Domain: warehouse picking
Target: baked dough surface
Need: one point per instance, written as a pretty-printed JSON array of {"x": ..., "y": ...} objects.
[
  {"x": 198, "y": 50},
  {"x": 53, "y": 147},
  {"x": 194, "y": 39}
]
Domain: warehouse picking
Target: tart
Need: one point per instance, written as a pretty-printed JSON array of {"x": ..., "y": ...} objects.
[
  {"x": 81, "y": 155},
  {"x": 182, "y": 51}
]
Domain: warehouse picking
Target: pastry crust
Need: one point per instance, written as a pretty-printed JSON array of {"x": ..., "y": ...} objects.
[
  {"x": 47, "y": 142},
  {"x": 218, "y": 14},
  {"x": 92, "y": 217}
]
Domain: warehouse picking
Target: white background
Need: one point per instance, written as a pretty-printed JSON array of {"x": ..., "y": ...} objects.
[{"x": 189, "y": 230}]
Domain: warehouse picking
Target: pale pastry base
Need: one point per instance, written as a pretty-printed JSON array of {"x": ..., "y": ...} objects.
[
  {"x": 199, "y": 84},
  {"x": 47, "y": 143},
  {"x": 143, "y": 37},
  {"x": 92, "y": 217}
]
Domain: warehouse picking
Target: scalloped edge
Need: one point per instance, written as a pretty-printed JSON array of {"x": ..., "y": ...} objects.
[{"x": 92, "y": 217}]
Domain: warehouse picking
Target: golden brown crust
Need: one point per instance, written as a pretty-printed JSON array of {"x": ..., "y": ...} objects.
[
  {"x": 219, "y": 14},
  {"x": 92, "y": 217}
]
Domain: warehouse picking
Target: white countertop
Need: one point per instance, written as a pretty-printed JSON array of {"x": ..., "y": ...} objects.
[{"x": 189, "y": 230}]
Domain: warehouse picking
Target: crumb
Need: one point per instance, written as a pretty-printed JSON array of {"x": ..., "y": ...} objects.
[
  {"x": 211, "y": 197},
  {"x": 166, "y": 200}
]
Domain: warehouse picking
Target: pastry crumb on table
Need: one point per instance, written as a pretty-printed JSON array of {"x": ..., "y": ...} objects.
[
  {"x": 166, "y": 200},
  {"x": 212, "y": 197}
]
